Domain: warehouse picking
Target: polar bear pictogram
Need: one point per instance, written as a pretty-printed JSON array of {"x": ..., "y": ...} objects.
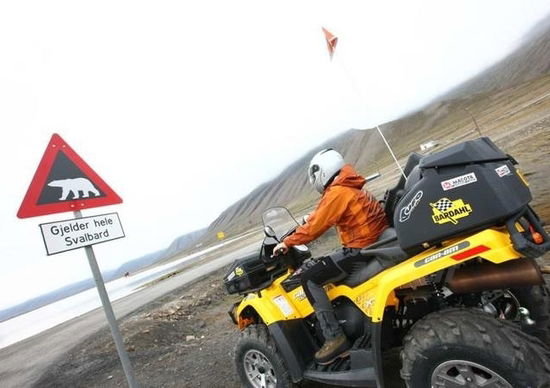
[{"x": 74, "y": 186}]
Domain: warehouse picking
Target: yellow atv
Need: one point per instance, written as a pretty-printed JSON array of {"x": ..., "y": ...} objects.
[{"x": 453, "y": 282}]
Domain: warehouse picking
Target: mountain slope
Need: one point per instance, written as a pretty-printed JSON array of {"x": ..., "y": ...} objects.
[
  {"x": 488, "y": 98},
  {"x": 526, "y": 63}
]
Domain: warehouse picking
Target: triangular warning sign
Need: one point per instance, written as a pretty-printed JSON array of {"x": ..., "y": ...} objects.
[{"x": 63, "y": 182}]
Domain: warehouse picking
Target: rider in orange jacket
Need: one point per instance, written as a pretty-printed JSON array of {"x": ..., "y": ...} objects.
[{"x": 359, "y": 219}]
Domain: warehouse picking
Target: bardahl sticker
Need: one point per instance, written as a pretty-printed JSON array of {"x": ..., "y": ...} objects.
[
  {"x": 444, "y": 253},
  {"x": 503, "y": 170},
  {"x": 406, "y": 211},
  {"x": 458, "y": 181},
  {"x": 446, "y": 210}
]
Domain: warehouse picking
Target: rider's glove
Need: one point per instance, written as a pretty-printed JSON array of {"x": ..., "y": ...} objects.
[{"x": 280, "y": 248}]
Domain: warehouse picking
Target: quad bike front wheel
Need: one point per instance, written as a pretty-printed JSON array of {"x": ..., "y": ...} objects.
[
  {"x": 469, "y": 348},
  {"x": 258, "y": 362}
]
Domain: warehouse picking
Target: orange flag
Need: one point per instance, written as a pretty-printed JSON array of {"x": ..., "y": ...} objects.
[{"x": 331, "y": 42}]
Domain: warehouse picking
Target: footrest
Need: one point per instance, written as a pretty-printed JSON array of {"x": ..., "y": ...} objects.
[{"x": 358, "y": 371}]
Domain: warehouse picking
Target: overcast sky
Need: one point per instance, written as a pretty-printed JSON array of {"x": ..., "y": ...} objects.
[{"x": 185, "y": 107}]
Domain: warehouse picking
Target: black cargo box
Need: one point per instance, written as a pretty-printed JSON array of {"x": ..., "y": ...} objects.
[
  {"x": 460, "y": 190},
  {"x": 251, "y": 273}
]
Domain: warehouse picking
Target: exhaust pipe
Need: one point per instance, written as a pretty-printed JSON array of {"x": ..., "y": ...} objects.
[{"x": 488, "y": 276}]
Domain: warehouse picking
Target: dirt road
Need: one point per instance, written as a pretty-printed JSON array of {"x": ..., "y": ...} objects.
[{"x": 22, "y": 364}]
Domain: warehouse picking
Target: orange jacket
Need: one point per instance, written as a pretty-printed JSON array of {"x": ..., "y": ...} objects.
[{"x": 357, "y": 215}]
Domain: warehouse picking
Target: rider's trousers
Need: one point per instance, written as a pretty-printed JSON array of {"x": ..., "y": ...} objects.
[{"x": 318, "y": 273}]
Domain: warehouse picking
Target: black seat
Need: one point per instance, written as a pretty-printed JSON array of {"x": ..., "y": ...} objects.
[
  {"x": 392, "y": 196},
  {"x": 373, "y": 259}
]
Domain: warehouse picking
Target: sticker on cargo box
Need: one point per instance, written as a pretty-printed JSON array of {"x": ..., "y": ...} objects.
[
  {"x": 458, "y": 181},
  {"x": 446, "y": 210},
  {"x": 503, "y": 170},
  {"x": 406, "y": 211},
  {"x": 283, "y": 305},
  {"x": 239, "y": 271}
]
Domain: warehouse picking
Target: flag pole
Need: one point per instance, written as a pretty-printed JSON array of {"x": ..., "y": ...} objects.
[
  {"x": 391, "y": 152},
  {"x": 332, "y": 40},
  {"x": 360, "y": 95}
]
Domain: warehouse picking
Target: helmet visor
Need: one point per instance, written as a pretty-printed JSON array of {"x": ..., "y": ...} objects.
[{"x": 312, "y": 170}]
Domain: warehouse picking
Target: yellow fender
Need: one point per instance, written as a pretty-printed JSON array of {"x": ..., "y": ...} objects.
[{"x": 372, "y": 297}]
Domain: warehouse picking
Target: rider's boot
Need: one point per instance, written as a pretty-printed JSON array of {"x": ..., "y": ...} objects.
[{"x": 336, "y": 343}]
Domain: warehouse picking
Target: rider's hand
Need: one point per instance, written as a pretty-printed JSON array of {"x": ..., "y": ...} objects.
[{"x": 280, "y": 248}]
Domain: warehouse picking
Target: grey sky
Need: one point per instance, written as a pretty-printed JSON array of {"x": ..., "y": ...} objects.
[{"x": 184, "y": 107}]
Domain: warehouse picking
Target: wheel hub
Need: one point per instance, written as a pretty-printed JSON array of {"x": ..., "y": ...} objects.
[
  {"x": 259, "y": 370},
  {"x": 460, "y": 373}
]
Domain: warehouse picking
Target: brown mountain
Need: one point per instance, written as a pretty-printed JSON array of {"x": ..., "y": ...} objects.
[
  {"x": 529, "y": 61},
  {"x": 496, "y": 100}
]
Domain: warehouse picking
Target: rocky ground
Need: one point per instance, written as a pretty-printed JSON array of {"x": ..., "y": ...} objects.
[{"x": 186, "y": 338}]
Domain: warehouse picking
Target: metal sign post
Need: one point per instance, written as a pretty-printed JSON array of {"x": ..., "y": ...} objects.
[
  {"x": 64, "y": 182},
  {"x": 119, "y": 343}
]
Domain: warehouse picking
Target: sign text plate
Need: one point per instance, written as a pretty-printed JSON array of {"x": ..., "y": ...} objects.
[{"x": 61, "y": 236}]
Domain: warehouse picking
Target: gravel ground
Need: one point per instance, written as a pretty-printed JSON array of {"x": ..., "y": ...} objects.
[{"x": 185, "y": 339}]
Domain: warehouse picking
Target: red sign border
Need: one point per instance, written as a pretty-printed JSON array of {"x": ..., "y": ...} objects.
[{"x": 29, "y": 206}]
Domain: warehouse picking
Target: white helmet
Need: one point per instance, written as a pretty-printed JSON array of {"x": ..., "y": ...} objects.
[{"x": 323, "y": 167}]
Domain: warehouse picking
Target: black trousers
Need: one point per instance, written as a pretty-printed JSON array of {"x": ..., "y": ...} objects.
[{"x": 315, "y": 275}]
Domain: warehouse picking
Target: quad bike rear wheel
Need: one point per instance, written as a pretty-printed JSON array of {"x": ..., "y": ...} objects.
[
  {"x": 469, "y": 348},
  {"x": 259, "y": 363}
]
